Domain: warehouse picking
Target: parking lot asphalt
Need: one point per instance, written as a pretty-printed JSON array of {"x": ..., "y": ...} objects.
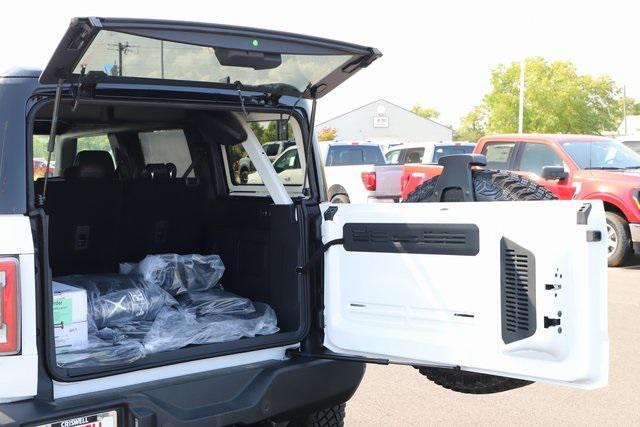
[{"x": 399, "y": 395}]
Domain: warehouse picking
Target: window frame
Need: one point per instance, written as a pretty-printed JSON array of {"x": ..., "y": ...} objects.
[{"x": 260, "y": 190}]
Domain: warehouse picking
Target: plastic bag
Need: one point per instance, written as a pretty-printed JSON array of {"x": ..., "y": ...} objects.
[
  {"x": 178, "y": 274},
  {"x": 100, "y": 352},
  {"x": 176, "y": 328},
  {"x": 135, "y": 330},
  {"x": 115, "y": 299},
  {"x": 215, "y": 301}
]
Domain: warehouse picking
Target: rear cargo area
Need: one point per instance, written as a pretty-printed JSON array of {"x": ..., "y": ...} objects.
[{"x": 140, "y": 200}]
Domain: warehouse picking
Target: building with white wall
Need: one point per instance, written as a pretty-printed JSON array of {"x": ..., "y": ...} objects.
[{"x": 384, "y": 122}]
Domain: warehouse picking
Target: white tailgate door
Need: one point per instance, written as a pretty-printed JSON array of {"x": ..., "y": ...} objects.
[{"x": 506, "y": 288}]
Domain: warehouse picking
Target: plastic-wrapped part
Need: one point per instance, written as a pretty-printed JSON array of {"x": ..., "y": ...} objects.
[
  {"x": 177, "y": 328},
  {"x": 214, "y": 301},
  {"x": 178, "y": 274},
  {"x": 135, "y": 330},
  {"x": 116, "y": 299},
  {"x": 101, "y": 352}
]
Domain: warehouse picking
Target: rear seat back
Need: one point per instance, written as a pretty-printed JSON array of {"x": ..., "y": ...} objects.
[
  {"x": 162, "y": 214},
  {"x": 83, "y": 215}
]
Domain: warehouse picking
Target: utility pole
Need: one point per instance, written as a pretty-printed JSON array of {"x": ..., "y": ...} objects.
[
  {"x": 624, "y": 107},
  {"x": 162, "y": 59},
  {"x": 521, "y": 103}
]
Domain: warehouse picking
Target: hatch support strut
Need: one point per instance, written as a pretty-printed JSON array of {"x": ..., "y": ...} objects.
[{"x": 52, "y": 141}]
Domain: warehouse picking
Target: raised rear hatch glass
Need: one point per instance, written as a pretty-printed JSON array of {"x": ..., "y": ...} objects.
[{"x": 169, "y": 52}]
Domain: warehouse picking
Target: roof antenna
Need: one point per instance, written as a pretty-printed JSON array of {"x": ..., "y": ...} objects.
[{"x": 52, "y": 141}]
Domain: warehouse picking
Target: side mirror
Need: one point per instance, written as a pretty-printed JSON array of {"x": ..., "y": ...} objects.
[{"x": 554, "y": 172}]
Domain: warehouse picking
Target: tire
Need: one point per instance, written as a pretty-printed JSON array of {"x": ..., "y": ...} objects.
[
  {"x": 340, "y": 198},
  {"x": 329, "y": 417},
  {"x": 619, "y": 247},
  {"x": 244, "y": 176},
  {"x": 489, "y": 186},
  {"x": 471, "y": 382}
]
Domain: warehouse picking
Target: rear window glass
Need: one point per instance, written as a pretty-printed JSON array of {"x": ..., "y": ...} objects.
[
  {"x": 414, "y": 155},
  {"x": 345, "y": 155},
  {"x": 124, "y": 55},
  {"x": 166, "y": 146},
  {"x": 449, "y": 150},
  {"x": 498, "y": 154},
  {"x": 272, "y": 134}
]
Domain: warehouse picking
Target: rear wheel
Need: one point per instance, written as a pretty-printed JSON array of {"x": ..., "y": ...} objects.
[
  {"x": 340, "y": 198},
  {"x": 489, "y": 185},
  {"x": 329, "y": 417},
  {"x": 619, "y": 247}
]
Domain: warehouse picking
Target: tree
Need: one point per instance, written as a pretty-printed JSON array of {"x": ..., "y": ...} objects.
[
  {"x": 426, "y": 112},
  {"x": 473, "y": 125},
  {"x": 557, "y": 99},
  {"x": 327, "y": 134},
  {"x": 632, "y": 106}
]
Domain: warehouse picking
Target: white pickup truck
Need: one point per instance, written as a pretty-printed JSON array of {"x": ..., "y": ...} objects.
[
  {"x": 383, "y": 182},
  {"x": 346, "y": 168}
]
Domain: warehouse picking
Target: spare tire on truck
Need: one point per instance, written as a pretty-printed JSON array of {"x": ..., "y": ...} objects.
[{"x": 489, "y": 186}]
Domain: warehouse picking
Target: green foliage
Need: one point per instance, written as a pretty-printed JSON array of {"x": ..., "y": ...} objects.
[
  {"x": 557, "y": 100},
  {"x": 427, "y": 112},
  {"x": 473, "y": 125},
  {"x": 633, "y": 106},
  {"x": 327, "y": 134}
]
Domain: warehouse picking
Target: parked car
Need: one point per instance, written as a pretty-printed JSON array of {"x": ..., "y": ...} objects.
[
  {"x": 348, "y": 284},
  {"x": 40, "y": 166},
  {"x": 286, "y": 165},
  {"x": 572, "y": 167},
  {"x": 384, "y": 182},
  {"x": 272, "y": 150},
  {"x": 345, "y": 163},
  {"x": 632, "y": 142}
]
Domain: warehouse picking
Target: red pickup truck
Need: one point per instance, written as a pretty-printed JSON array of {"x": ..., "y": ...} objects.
[{"x": 572, "y": 167}]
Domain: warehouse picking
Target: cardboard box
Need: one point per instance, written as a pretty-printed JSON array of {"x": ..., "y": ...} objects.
[{"x": 69, "y": 317}]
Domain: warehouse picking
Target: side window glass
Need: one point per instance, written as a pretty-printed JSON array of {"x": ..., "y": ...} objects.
[
  {"x": 40, "y": 158},
  {"x": 498, "y": 154},
  {"x": 536, "y": 156},
  {"x": 414, "y": 155},
  {"x": 392, "y": 157},
  {"x": 166, "y": 146}
]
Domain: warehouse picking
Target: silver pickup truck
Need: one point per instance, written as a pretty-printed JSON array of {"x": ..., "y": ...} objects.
[{"x": 383, "y": 182}]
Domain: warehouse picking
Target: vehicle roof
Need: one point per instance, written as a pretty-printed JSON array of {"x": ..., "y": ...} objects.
[
  {"x": 21, "y": 72},
  {"x": 405, "y": 145},
  {"x": 559, "y": 137},
  {"x": 351, "y": 142}
]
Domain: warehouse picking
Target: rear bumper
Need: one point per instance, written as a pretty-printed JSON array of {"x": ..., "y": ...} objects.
[{"x": 279, "y": 391}]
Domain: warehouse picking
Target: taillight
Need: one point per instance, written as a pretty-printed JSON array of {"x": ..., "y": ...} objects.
[
  {"x": 9, "y": 306},
  {"x": 369, "y": 180},
  {"x": 404, "y": 181}
]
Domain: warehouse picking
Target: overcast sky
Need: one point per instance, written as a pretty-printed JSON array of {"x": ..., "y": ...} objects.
[{"x": 437, "y": 54}]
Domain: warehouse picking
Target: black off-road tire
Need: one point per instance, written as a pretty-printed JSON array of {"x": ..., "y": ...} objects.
[
  {"x": 329, "y": 417},
  {"x": 471, "y": 382},
  {"x": 624, "y": 249},
  {"x": 489, "y": 186}
]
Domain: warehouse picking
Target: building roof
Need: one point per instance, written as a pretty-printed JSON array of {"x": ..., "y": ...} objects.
[{"x": 385, "y": 101}]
